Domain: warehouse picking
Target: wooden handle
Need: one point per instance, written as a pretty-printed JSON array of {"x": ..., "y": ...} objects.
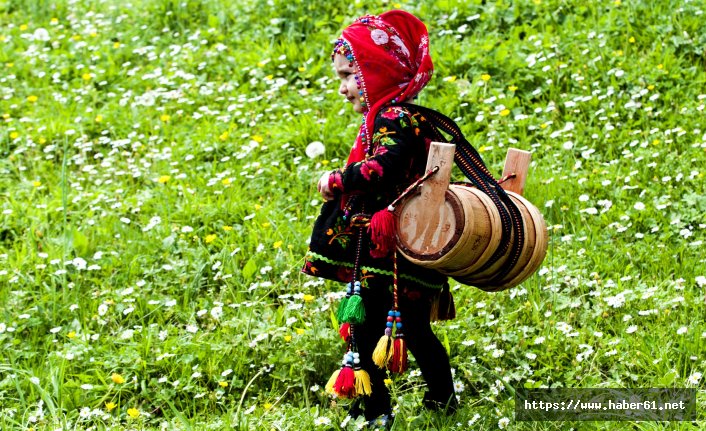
[{"x": 516, "y": 162}]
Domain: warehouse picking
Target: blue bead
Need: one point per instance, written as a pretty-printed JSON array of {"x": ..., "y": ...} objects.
[
  {"x": 391, "y": 313},
  {"x": 399, "y": 325},
  {"x": 357, "y": 284},
  {"x": 397, "y": 314},
  {"x": 388, "y": 324}
]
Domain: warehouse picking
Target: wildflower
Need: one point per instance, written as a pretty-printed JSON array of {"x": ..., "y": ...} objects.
[
  {"x": 210, "y": 238},
  {"x": 133, "y": 413},
  {"x": 632, "y": 39},
  {"x": 86, "y": 76},
  {"x": 308, "y": 298},
  {"x": 474, "y": 419},
  {"x": 227, "y": 228},
  {"x": 117, "y": 379},
  {"x": 682, "y": 330},
  {"x": 512, "y": 88},
  {"x": 163, "y": 179},
  {"x": 223, "y": 384},
  {"x": 110, "y": 406},
  {"x": 99, "y": 118},
  {"x": 459, "y": 386},
  {"x": 226, "y": 181},
  {"x": 505, "y": 112},
  {"x": 116, "y": 45},
  {"x": 287, "y": 338},
  {"x": 695, "y": 378},
  {"x": 258, "y": 138},
  {"x": 485, "y": 77},
  {"x": 223, "y": 136},
  {"x": 267, "y": 406},
  {"x": 14, "y": 135},
  {"x": 277, "y": 244},
  {"x": 315, "y": 149},
  {"x": 387, "y": 382},
  {"x": 631, "y": 329},
  {"x": 32, "y": 99},
  {"x": 36, "y": 183},
  {"x": 165, "y": 118},
  {"x": 322, "y": 421},
  {"x": 503, "y": 422},
  {"x": 71, "y": 334}
]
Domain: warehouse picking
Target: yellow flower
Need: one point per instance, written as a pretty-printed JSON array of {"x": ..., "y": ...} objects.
[
  {"x": 99, "y": 118},
  {"x": 163, "y": 179},
  {"x": 94, "y": 34},
  {"x": 266, "y": 224},
  {"x": 308, "y": 298},
  {"x": 76, "y": 37},
  {"x": 482, "y": 149},
  {"x": 288, "y": 338},
  {"x": 485, "y": 77},
  {"x": 325, "y": 162},
  {"x": 86, "y": 76},
  {"x": 227, "y": 228},
  {"x": 650, "y": 87},
  {"x": 210, "y": 238},
  {"x": 512, "y": 88},
  {"x": 300, "y": 331},
  {"x": 110, "y": 406},
  {"x": 42, "y": 140},
  {"x": 31, "y": 99},
  {"x": 544, "y": 125},
  {"x": 450, "y": 78},
  {"x": 71, "y": 334},
  {"x": 617, "y": 2},
  {"x": 14, "y": 135},
  {"x": 257, "y": 207},
  {"x": 116, "y": 45},
  {"x": 223, "y": 136},
  {"x": 660, "y": 66},
  {"x": 8, "y": 65},
  {"x": 505, "y": 112},
  {"x": 117, "y": 379},
  {"x": 258, "y": 138},
  {"x": 267, "y": 406},
  {"x": 631, "y": 40},
  {"x": 301, "y": 69},
  {"x": 24, "y": 27},
  {"x": 5, "y": 116},
  {"x": 277, "y": 244},
  {"x": 226, "y": 181},
  {"x": 223, "y": 384},
  {"x": 36, "y": 183},
  {"x": 387, "y": 382},
  {"x": 165, "y": 117},
  {"x": 133, "y": 413},
  {"x": 54, "y": 21}
]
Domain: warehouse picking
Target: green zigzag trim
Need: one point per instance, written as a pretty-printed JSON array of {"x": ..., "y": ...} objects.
[{"x": 374, "y": 270}]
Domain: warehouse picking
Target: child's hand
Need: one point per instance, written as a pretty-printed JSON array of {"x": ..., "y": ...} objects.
[{"x": 323, "y": 187}]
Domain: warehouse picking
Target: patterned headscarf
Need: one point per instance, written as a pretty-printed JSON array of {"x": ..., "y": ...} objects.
[{"x": 391, "y": 52}]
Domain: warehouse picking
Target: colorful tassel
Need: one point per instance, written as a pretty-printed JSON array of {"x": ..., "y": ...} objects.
[
  {"x": 331, "y": 382},
  {"x": 362, "y": 382},
  {"x": 345, "y": 331},
  {"x": 383, "y": 228},
  {"x": 355, "y": 311},
  {"x": 345, "y": 383},
  {"x": 399, "y": 363},
  {"x": 383, "y": 351},
  {"x": 344, "y": 302}
]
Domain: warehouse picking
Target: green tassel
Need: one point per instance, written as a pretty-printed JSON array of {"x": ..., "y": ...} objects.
[
  {"x": 342, "y": 309},
  {"x": 354, "y": 312}
]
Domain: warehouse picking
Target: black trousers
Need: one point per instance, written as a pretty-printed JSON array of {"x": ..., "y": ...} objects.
[{"x": 430, "y": 354}]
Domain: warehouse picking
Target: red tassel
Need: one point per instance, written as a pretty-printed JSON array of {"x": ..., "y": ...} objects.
[
  {"x": 383, "y": 228},
  {"x": 345, "y": 383},
  {"x": 399, "y": 362},
  {"x": 345, "y": 331}
]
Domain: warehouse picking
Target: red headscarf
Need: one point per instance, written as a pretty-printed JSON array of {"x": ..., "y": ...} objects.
[{"x": 391, "y": 52}]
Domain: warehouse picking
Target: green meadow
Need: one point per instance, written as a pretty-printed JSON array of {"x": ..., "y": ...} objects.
[{"x": 158, "y": 172}]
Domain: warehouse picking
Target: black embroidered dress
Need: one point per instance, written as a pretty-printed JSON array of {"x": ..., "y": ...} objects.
[{"x": 396, "y": 158}]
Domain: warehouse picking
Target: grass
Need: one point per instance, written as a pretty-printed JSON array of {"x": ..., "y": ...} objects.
[{"x": 156, "y": 200}]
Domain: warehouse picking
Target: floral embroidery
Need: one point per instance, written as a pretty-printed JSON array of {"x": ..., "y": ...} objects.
[
  {"x": 379, "y": 36},
  {"x": 340, "y": 233},
  {"x": 370, "y": 166}
]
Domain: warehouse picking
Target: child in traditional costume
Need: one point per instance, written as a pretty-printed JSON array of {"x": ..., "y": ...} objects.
[{"x": 383, "y": 63}]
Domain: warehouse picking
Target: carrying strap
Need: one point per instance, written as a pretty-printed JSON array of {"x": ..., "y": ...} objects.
[{"x": 471, "y": 164}]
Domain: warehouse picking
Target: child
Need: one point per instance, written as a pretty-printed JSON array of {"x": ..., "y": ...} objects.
[{"x": 382, "y": 62}]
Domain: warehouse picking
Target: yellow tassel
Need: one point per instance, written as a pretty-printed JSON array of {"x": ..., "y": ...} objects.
[
  {"x": 331, "y": 382},
  {"x": 383, "y": 351},
  {"x": 362, "y": 383}
]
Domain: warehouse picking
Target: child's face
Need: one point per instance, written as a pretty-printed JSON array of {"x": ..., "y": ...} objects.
[{"x": 346, "y": 72}]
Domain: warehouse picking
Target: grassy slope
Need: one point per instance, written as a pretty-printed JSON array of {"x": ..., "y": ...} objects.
[{"x": 156, "y": 201}]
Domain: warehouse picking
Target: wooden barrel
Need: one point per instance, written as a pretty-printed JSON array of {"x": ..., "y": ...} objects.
[{"x": 458, "y": 236}]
